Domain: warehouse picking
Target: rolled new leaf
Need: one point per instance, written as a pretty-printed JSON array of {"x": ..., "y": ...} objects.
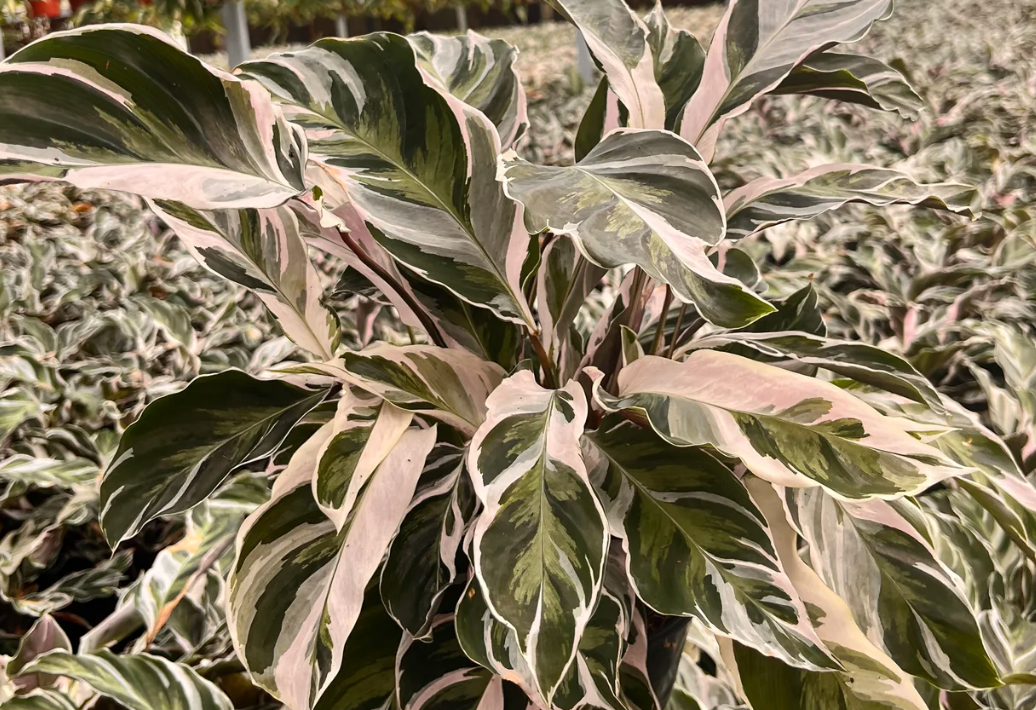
[
  {"x": 855, "y": 79},
  {"x": 482, "y": 73},
  {"x": 297, "y": 590},
  {"x": 138, "y": 682},
  {"x": 263, "y": 250},
  {"x": 786, "y": 428},
  {"x": 408, "y": 154},
  {"x": 758, "y": 44},
  {"x": 765, "y": 202},
  {"x": 540, "y": 543},
  {"x": 122, "y": 107},
  {"x": 697, "y": 545},
  {"x": 644, "y": 198},
  {"x": 185, "y": 444}
]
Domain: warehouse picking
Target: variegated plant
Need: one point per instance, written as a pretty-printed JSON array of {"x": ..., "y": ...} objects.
[{"x": 513, "y": 510}]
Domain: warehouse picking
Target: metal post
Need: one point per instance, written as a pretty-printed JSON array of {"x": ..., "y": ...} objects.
[
  {"x": 341, "y": 25},
  {"x": 583, "y": 59},
  {"x": 2, "y": 54},
  {"x": 239, "y": 47},
  {"x": 462, "y": 18}
]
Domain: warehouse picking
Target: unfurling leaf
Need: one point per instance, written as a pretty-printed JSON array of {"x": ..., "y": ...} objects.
[
  {"x": 644, "y": 198},
  {"x": 150, "y": 119},
  {"x": 185, "y": 444},
  {"x": 540, "y": 542},
  {"x": 297, "y": 589},
  {"x": 787, "y": 428}
]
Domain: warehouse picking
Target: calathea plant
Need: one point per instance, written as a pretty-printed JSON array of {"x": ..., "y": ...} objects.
[{"x": 514, "y": 509}]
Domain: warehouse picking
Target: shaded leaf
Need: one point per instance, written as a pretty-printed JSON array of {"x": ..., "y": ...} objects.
[{"x": 185, "y": 444}]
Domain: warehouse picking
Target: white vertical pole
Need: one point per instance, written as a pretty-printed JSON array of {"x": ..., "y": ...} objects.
[
  {"x": 583, "y": 59},
  {"x": 239, "y": 47},
  {"x": 341, "y": 25},
  {"x": 2, "y": 54},
  {"x": 462, "y": 18}
]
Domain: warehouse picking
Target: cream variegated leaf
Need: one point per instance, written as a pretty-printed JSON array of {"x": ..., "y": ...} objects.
[
  {"x": 422, "y": 559},
  {"x": 451, "y": 385},
  {"x": 618, "y": 39},
  {"x": 438, "y": 675},
  {"x": 418, "y": 165},
  {"x": 874, "y": 555},
  {"x": 132, "y": 681},
  {"x": 150, "y": 119},
  {"x": 786, "y": 428},
  {"x": 641, "y": 197},
  {"x": 855, "y": 79},
  {"x": 696, "y": 543},
  {"x": 679, "y": 63},
  {"x": 540, "y": 543},
  {"x": 869, "y": 679},
  {"x": 482, "y": 73},
  {"x": 564, "y": 281},
  {"x": 364, "y": 432},
  {"x": 297, "y": 589},
  {"x": 757, "y": 44},
  {"x": 765, "y": 202},
  {"x": 263, "y": 250}
]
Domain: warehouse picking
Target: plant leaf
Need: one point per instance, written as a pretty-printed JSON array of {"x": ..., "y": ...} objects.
[
  {"x": 297, "y": 589},
  {"x": 262, "y": 250},
  {"x": 909, "y": 605},
  {"x": 138, "y": 114},
  {"x": 697, "y": 545},
  {"x": 132, "y": 681},
  {"x": 540, "y": 543},
  {"x": 367, "y": 679},
  {"x": 618, "y": 40},
  {"x": 451, "y": 385},
  {"x": 185, "y": 444},
  {"x": 870, "y": 680},
  {"x": 786, "y": 428},
  {"x": 758, "y": 44},
  {"x": 482, "y": 73},
  {"x": 422, "y": 559},
  {"x": 855, "y": 79},
  {"x": 407, "y": 154},
  {"x": 646, "y": 198},
  {"x": 765, "y": 202},
  {"x": 364, "y": 432},
  {"x": 679, "y": 63}
]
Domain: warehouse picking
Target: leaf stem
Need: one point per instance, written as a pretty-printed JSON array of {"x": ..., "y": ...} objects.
[
  {"x": 662, "y": 318},
  {"x": 550, "y": 375},
  {"x": 426, "y": 320},
  {"x": 676, "y": 330}
]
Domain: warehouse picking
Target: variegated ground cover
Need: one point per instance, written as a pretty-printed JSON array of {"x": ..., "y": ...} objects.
[{"x": 778, "y": 463}]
